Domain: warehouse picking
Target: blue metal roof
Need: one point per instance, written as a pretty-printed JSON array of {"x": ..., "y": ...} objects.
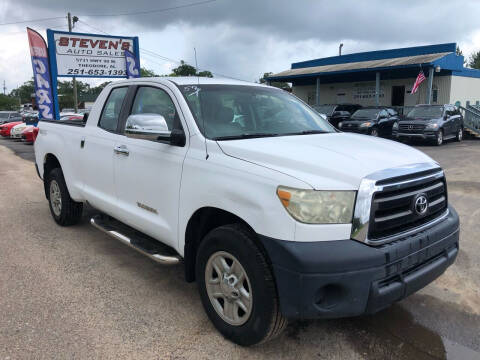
[
  {"x": 388, "y": 62},
  {"x": 378, "y": 55}
]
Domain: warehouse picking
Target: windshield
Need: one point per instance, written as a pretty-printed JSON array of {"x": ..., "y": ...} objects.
[
  {"x": 365, "y": 114},
  {"x": 4, "y": 115},
  {"x": 426, "y": 112},
  {"x": 225, "y": 112},
  {"x": 325, "y": 109}
]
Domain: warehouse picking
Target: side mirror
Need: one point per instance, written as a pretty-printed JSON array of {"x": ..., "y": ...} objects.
[
  {"x": 336, "y": 113},
  {"x": 445, "y": 117},
  {"x": 85, "y": 118},
  {"x": 147, "y": 127},
  {"x": 177, "y": 138}
]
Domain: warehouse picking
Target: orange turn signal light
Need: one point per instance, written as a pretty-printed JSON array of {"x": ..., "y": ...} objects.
[{"x": 284, "y": 197}]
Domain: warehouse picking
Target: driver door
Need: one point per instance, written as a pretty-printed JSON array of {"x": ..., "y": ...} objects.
[{"x": 147, "y": 170}]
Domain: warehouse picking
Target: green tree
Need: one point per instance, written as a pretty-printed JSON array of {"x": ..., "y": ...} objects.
[
  {"x": 65, "y": 93},
  {"x": 205, "y": 73},
  {"x": 279, "y": 84},
  {"x": 184, "y": 70},
  {"x": 8, "y": 102},
  {"x": 147, "y": 73},
  {"x": 474, "y": 61},
  {"x": 188, "y": 70},
  {"x": 24, "y": 91},
  {"x": 459, "y": 52}
]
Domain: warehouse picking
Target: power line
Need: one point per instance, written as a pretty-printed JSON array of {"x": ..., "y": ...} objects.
[
  {"x": 33, "y": 20},
  {"x": 118, "y": 14},
  {"x": 153, "y": 11},
  {"x": 55, "y": 27}
]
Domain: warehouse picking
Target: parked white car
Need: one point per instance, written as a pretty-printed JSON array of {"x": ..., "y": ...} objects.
[
  {"x": 16, "y": 132},
  {"x": 276, "y": 214}
]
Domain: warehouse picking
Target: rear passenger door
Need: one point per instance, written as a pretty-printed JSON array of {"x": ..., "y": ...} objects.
[
  {"x": 97, "y": 151},
  {"x": 148, "y": 171}
]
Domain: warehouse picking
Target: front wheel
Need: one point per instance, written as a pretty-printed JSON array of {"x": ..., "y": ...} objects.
[
  {"x": 237, "y": 287},
  {"x": 439, "y": 138},
  {"x": 459, "y": 136},
  {"x": 374, "y": 132}
]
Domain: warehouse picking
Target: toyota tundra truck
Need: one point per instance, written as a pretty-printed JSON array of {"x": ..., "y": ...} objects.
[{"x": 271, "y": 210}]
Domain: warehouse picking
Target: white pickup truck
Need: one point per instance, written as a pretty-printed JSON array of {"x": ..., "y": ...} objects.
[{"x": 273, "y": 212}]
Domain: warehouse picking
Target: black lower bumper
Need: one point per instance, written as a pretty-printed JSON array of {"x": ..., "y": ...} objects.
[
  {"x": 420, "y": 136},
  {"x": 331, "y": 279}
]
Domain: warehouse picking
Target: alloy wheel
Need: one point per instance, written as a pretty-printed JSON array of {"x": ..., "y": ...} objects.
[
  {"x": 55, "y": 198},
  {"x": 228, "y": 288},
  {"x": 440, "y": 138}
]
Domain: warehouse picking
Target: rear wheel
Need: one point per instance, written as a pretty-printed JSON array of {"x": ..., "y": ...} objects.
[
  {"x": 65, "y": 211},
  {"x": 459, "y": 136},
  {"x": 237, "y": 287}
]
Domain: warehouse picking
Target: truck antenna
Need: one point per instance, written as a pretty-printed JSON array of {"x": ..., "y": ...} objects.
[{"x": 198, "y": 94}]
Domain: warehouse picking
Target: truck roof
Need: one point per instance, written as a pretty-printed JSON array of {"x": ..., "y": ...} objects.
[{"x": 191, "y": 80}]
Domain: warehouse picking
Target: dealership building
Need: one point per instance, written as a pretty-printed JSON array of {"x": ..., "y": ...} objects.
[{"x": 386, "y": 77}]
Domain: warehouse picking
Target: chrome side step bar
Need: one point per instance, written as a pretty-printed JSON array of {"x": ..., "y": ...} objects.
[{"x": 157, "y": 257}]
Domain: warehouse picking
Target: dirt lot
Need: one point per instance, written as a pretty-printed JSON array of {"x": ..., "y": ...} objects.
[{"x": 75, "y": 293}]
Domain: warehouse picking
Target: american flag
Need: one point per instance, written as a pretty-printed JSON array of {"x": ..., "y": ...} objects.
[{"x": 418, "y": 81}]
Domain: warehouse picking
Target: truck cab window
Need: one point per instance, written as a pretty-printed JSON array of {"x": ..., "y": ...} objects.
[
  {"x": 111, "y": 111},
  {"x": 150, "y": 100}
]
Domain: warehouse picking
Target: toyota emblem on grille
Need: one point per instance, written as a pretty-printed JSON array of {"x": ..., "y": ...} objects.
[
  {"x": 410, "y": 127},
  {"x": 421, "y": 204}
]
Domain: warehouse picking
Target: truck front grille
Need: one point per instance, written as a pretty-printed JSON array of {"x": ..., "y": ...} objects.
[
  {"x": 395, "y": 209},
  {"x": 411, "y": 128}
]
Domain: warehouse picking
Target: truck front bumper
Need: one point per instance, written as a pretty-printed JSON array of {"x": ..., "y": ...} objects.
[{"x": 332, "y": 279}]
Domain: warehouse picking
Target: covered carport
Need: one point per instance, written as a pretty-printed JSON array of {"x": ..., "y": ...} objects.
[{"x": 392, "y": 72}]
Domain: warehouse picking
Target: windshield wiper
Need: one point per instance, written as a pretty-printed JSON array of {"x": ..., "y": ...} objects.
[
  {"x": 244, "y": 136},
  {"x": 308, "y": 132}
]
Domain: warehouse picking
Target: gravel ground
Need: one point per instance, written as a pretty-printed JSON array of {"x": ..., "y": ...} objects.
[{"x": 74, "y": 292}]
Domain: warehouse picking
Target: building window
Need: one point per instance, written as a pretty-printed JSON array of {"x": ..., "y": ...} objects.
[{"x": 435, "y": 94}]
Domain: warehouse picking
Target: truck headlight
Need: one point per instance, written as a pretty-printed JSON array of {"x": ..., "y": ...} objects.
[
  {"x": 366, "y": 124},
  {"x": 318, "y": 207},
  {"x": 431, "y": 126},
  {"x": 395, "y": 126},
  {"x": 340, "y": 125}
]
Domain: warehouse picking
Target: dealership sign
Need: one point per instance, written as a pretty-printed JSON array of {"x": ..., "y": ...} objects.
[{"x": 90, "y": 55}]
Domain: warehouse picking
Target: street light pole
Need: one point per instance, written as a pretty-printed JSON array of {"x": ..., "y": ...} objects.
[{"x": 74, "y": 80}]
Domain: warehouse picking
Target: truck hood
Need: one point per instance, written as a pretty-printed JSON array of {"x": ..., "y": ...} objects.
[{"x": 337, "y": 161}]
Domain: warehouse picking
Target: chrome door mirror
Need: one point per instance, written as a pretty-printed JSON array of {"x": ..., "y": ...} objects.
[{"x": 147, "y": 126}]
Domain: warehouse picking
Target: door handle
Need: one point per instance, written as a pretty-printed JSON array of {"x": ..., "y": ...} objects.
[{"x": 121, "y": 150}]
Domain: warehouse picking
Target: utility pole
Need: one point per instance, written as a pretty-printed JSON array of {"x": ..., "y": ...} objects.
[
  {"x": 74, "y": 80},
  {"x": 4, "y": 88}
]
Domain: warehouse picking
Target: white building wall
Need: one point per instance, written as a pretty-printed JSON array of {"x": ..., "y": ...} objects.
[
  {"x": 363, "y": 92},
  {"x": 465, "y": 89}
]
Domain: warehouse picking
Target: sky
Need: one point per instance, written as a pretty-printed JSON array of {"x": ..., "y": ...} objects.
[{"x": 241, "y": 39}]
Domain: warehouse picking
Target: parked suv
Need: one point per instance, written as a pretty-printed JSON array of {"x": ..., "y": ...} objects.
[
  {"x": 375, "y": 121},
  {"x": 9, "y": 116},
  {"x": 434, "y": 123},
  {"x": 337, "y": 113}
]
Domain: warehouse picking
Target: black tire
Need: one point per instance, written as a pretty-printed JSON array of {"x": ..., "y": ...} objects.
[
  {"x": 439, "y": 138},
  {"x": 70, "y": 212},
  {"x": 265, "y": 321},
  {"x": 459, "y": 136},
  {"x": 374, "y": 132}
]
